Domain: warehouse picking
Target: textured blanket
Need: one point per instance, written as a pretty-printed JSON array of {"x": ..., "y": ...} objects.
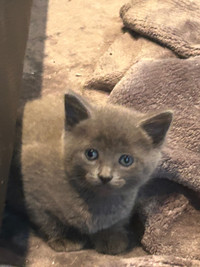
[
  {"x": 170, "y": 213},
  {"x": 174, "y": 23},
  {"x": 153, "y": 26}
]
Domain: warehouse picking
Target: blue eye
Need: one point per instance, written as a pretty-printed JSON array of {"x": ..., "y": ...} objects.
[
  {"x": 91, "y": 154},
  {"x": 126, "y": 160}
]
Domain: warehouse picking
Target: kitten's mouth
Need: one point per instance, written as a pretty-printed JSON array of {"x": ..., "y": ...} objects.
[
  {"x": 105, "y": 189},
  {"x": 102, "y": 186}
]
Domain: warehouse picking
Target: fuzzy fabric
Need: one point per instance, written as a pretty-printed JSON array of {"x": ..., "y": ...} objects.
[
  {"x": 153, "y": 26},
  {"x": 170, "y": 213},
  {"x": 173, "y": 23},
  {"x": 41, "y": 255}
]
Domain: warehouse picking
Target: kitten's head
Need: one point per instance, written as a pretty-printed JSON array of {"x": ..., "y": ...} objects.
[{"x": 111, "y": 147}]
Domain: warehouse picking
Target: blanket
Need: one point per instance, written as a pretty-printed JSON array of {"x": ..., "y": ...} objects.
[
  {"x": 153, "y": 26},
  {"x": 38, "y": 254},
  {"x": 174, "y": 23}
]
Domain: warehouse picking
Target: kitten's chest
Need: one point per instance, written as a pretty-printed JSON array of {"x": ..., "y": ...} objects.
[{"x": 108, "y": 212}]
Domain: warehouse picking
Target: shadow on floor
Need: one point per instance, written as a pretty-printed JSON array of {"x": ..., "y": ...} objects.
[{"x": 15, "y": 230}]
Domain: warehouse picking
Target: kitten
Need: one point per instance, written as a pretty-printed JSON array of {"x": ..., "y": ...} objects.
[{"x": 82, "y": 167}]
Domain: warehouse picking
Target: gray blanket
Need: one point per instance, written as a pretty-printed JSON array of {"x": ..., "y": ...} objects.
[
  {"x": 174, "y": 23},
  {"x": 153, "y": 26}
]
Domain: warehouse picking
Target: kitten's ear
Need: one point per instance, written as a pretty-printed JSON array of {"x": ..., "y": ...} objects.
[
  {"x": 76, "y": 110},
  {"x": 157, "y": 126}
]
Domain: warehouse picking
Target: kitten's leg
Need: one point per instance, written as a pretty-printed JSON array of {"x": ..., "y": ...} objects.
[
  {"x": 112, "y": 241},
  {"x": 68, "y": 240},
  {"x": 61, "y": 244},
  {"x": 59, "y": 237}
]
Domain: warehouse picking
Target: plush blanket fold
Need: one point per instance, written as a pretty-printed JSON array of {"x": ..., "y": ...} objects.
[
  {"x": 174, "y": 23},
  {"x": 171, "y": 224},
  {"x": 154, "y": 26}
]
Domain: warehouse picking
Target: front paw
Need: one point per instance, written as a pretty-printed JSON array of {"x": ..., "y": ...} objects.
[
  {"x": 65, "y": 245},
  {"x": 112, "y": 243}
]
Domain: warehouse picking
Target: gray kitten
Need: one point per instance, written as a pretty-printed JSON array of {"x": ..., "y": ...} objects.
[{"x": 82, "y": 167}]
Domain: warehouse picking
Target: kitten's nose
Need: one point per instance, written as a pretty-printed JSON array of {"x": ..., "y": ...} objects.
[{"x": 105, "y": 179}]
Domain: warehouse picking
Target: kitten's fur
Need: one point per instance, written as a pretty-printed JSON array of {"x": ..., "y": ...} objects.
[{"x": 62, "y": 189}]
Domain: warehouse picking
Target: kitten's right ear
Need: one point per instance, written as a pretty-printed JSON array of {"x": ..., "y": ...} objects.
[
  {"x": 76, "y": 110},
  {"x": 156, "y": 126}
]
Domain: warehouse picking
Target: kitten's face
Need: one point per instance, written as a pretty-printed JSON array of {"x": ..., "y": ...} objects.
[
  {"x": 109, "y": 154},
  {"x": 107, "y": 149}
]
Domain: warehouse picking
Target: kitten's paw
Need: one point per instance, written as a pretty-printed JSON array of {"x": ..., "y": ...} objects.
[
  {"x": 61, "y": 245},
  {"x": 111, "y": 242}
]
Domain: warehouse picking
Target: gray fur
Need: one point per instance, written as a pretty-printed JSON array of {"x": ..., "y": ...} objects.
[{"x": 62, "y": 189}]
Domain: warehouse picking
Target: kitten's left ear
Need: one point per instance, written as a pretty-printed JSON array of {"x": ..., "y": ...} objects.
[
  {"x": 76, "y": 110},
  {"x": 157, "y": 126}
]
